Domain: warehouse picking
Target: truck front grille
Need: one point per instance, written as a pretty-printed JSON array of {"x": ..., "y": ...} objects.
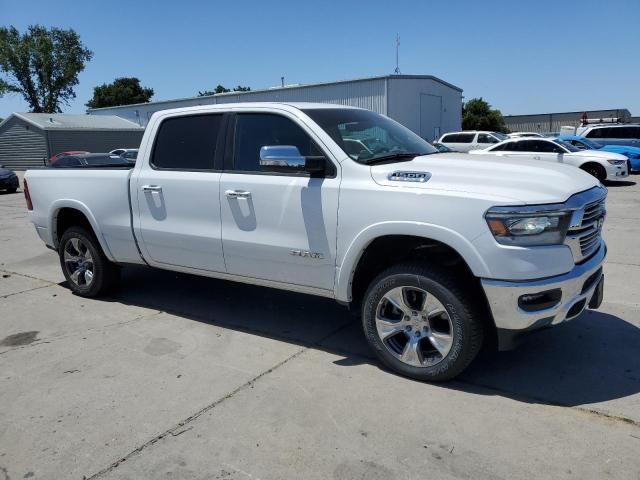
[{"x": 585, "y": 232}]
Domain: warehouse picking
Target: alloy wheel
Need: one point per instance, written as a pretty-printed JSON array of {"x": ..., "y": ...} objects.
[
  {"x": 414, "y": 326},
  {"x": 78, "y": 262}
]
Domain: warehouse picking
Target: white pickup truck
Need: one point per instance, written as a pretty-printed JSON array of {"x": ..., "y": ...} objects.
[{"x": 441, "y": 252}]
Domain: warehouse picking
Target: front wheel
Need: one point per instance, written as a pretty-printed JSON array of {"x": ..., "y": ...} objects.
[
  {"x": 88, "y": 272},
  {"x": 596, "y": 170},
  {"x": 421, "y": 323}
]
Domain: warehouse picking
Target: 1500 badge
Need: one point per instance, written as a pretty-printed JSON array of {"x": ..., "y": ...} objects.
[{"x": 306, "y": 254}]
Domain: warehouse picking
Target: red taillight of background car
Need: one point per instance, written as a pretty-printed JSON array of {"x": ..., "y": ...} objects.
[{"x": 27, "y": 197}]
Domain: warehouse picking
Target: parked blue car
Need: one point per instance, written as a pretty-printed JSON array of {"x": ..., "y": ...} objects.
[{"x": 632, "y": 153}]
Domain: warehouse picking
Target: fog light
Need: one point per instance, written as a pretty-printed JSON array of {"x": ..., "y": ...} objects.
[{"x": 533, "y": 302}]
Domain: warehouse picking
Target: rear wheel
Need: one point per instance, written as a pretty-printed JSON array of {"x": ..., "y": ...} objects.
[
  {"x": 12, "y": 190},
  {"x": 421, "y": 323},
  {"x": 596, "y": 170},
  {"x": 88, "y": 272}
]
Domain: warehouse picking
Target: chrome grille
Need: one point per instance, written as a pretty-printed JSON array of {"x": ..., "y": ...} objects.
[{"x": 584, "y": 234}]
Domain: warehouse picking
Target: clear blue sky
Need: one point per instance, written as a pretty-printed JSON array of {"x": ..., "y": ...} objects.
[{"x": 523, "y": 57}]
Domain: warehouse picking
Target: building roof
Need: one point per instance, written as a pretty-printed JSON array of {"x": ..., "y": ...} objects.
[
  {"x": 68, "y": 121},
  {"x": 624, "y": 111},
  {"x": 293, "y": 87}
]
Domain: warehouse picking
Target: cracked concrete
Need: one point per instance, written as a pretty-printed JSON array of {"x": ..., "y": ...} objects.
[{"x": 184, "y": 377}]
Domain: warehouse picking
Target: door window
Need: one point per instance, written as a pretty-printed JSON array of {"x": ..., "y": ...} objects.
[
  {"x": 486, "y": 138},
  {"x": 544, "y": 147},
  {"x": 187, "y": 143},
  {"x": 256, "y": 130}
]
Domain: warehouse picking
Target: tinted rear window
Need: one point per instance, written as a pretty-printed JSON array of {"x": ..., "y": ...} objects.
[
  {"x": 187, "y": 143},
  {"x": 459, "y": 138}
]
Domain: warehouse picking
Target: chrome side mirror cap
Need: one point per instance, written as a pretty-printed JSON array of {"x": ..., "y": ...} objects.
[{"x": 287, "y": 158}]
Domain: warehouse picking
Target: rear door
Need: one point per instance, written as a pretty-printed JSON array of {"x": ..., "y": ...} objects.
[
  {"x": 178, "y": 209},
  {"x": 276, "y": 226},
  {"x": 485, "y": 140}
]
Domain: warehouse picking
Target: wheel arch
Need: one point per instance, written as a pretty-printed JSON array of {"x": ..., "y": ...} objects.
[
  {"x": 67, "y": 213},
  {"x": 399, "y": 236}
]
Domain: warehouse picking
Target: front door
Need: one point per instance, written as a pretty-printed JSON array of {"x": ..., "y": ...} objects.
[
  {"x": 178, "y": 218},
  {"x": 278, "y": 227}
]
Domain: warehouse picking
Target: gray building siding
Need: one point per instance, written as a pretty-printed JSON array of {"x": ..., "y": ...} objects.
[
  {"x": 24, "y": 145},
  {"x": 92, "y": 141},
  {"x": 21, "y": 145},
  {"x": 551, "y": 122},
  {"x": 424, "y": 104},
  {"x": 427, "y": 107}
]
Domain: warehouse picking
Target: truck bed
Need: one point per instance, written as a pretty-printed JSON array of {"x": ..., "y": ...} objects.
[{"x": 102, "y": 194}]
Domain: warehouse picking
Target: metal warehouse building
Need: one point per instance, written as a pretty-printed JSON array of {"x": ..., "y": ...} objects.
[
  {"x": 427, "y": 105},
  {"x": 551, "y": 122},
  {"x": 28, "y": 139}
]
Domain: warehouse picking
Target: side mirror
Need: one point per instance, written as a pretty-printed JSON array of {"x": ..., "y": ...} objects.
[{"x": 287, "y": 158}]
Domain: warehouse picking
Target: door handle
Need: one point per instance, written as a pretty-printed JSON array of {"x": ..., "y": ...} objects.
[
  {"x": 151, "y": 188},
  {"x": 237, "y": 194}
]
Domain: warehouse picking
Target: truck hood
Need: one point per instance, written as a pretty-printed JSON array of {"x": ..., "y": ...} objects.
[{"x": 502, "y": 179}]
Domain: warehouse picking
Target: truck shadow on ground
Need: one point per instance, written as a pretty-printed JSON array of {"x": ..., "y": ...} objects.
[
  {"x": 591, "y": 359},
  {"x": 622, "y": 183}
]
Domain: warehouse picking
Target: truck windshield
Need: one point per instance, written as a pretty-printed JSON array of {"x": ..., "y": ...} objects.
[{"x": 368, "y": 137}]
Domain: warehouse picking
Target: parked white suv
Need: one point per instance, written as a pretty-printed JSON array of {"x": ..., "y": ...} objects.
[
  {"x": 437, "y": 259},
  {"x": 470, "y": 140},
  {"x": 602, "y": 165},
  {"x": 607, "y": 134}
]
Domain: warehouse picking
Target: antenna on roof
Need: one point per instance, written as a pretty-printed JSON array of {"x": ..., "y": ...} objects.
[{"x": 397, "y": 70}]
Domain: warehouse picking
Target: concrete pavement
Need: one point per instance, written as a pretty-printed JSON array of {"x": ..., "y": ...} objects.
[{"x": 177, "y": 376}]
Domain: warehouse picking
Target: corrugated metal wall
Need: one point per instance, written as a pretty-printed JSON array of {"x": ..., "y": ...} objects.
[
  {"x": 408, "y": 105},
  {"x": 21, "y": 145},
  {"x": 369, "y": 94},
  {"x": 552, "y": 122},
  {"x": 96, "y": 141}
]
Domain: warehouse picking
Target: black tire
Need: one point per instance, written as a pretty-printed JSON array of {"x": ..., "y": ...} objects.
[
  {"x": 596, "y": 170},
  {"x": 463, "y": 313},
  {"x": 105, "y": 274},
  {"x": 12, "y": 190}
]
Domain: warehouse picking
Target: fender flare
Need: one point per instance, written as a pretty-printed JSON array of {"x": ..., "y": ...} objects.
[
  {"x": 346, "y": 271},
  {"x": 82, "y": 208}
]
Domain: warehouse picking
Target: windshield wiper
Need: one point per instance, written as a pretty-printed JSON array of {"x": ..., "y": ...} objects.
[{"x": 395, "y": 156}]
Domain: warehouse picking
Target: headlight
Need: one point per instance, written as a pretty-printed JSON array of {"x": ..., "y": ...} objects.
[
  {"x": 617, "y": 162},
  {"x": 528, "y": 228}
]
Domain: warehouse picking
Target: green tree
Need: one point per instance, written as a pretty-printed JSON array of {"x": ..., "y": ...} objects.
[
  {"x": 122, "y": 91},
  {"x": 42, "y": 65},
  {"x": 223, "y": 89},
  {"x": 478, "y": 115}
]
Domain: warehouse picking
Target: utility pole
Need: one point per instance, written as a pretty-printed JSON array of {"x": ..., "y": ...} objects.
[
  {"x": 397, "y": 70},
  {"x": 282, "y": 81}
]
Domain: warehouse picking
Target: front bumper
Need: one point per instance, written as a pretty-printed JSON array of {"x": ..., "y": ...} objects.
[
  {"x": 617, "y": 172},
  {"x": 578, "y": 288},
  {"x": 9, "y": 182}
]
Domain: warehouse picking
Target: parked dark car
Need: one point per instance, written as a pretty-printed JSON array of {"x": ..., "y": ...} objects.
[
  {"x": 55, "y": 157},
  {"x": 91, "y": 160},
  {"x": 8, "y": 180}
]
